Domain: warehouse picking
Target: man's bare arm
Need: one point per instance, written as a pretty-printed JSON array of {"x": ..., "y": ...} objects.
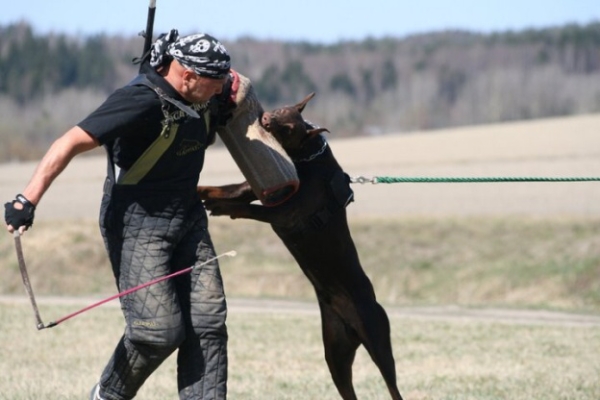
[{"x": 58, "y": 156}]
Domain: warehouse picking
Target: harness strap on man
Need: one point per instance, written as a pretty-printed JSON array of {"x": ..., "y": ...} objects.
[{"x": 150, "y": 157}]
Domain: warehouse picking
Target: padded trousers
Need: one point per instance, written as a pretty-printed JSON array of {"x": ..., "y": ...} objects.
[{"x": 148, "y": 236}]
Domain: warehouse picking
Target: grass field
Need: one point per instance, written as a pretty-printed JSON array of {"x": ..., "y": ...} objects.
[
  {"x": 275, "y": 355},
  {"x": 476, "y": 264}
]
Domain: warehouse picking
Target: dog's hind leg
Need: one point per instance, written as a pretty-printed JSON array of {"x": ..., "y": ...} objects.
[
  {"x": 340, "y": 344},
  {"x": 375, "y": 336}
]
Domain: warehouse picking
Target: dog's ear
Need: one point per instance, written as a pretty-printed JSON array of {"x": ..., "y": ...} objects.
[
  {"x": 315, "y": 132},
  {"x": 300, "y": 106}
]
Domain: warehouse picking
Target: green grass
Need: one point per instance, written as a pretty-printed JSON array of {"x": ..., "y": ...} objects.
[
  {"x": 509, "y": 262},
  {"x": 512, "y": 263},
  {"x": 279, "y": 356}
]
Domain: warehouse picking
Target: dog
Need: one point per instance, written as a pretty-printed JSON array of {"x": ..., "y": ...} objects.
[{"x": 313, "y": 226}]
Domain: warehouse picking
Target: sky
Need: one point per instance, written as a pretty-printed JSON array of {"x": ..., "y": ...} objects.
[{"x": 318, "y": 21}]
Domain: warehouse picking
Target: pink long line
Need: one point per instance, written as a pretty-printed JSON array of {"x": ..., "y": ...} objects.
[{"x": 134, "y": 289}]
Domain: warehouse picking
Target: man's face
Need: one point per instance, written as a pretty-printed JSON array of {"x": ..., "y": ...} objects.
[{"x": 199, "y": 89}]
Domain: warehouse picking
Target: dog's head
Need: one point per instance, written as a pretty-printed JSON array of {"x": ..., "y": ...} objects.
[{"x": 287, "y": 125}]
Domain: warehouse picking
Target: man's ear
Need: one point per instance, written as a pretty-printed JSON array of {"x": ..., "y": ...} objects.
[{"x": 187, "y": 75}]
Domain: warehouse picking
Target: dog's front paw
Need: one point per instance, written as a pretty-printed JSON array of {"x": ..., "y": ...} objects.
[
  {"x": 211, "y": 204},
  {"x": 221, "y": 208},
  {"x": 215, "y": 210}
]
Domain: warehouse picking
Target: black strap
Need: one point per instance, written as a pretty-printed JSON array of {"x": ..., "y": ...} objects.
[
  {"x": 143, "y": 58},
  {"x": 110, "y": 168},
  {"x": 142, "y": 79},
  {"x": 340, "y": 197}
]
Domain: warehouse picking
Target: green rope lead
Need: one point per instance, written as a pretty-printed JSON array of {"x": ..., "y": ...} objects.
[{"x": 388, "y": 179}]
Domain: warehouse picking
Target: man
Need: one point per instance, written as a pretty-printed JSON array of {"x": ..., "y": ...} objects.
[{"x": 156, "y": 130}]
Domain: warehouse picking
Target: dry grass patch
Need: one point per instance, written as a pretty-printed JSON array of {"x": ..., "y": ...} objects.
[
  {"x": 279, "y": 356},
  {"x": 507, "y": 262}
]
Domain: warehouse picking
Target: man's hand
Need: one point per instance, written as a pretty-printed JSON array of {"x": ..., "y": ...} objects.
[{"x": 19, "y": 214}]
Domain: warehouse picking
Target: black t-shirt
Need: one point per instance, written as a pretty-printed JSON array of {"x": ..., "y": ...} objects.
[{"x": 131, "y": 119}]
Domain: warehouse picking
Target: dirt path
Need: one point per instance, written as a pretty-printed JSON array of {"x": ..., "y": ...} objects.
[{"x": 434, "y": 313}]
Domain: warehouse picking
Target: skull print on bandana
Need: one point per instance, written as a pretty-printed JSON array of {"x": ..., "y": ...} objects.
[{"x": 202, "y": 53}]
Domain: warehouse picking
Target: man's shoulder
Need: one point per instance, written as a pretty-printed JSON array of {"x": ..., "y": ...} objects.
[
  {"x": 137, "y": 91},
  {"x": 130, "y": 97},
  {"x": 125, "y": 106}
]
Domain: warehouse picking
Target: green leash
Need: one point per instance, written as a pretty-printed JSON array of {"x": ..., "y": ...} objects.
[{"x": 389, "y": 179}]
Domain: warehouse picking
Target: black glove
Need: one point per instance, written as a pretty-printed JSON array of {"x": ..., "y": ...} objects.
[{"x": 19, "y": 217}]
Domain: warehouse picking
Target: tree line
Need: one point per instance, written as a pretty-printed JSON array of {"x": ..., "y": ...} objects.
[{"x": 374, "y": 86}]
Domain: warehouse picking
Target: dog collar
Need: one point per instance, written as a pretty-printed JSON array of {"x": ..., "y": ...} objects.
[{"x": 314, "y": 155}]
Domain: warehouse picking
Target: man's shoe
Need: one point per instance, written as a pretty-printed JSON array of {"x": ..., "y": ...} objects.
[{"x": 95, "y": 393}]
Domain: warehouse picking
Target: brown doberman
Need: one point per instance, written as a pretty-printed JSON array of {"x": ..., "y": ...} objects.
[{"x": 313, "y": 226}]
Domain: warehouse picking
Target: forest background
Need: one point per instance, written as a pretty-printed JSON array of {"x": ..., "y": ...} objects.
[{"x": 373, "y": 86}]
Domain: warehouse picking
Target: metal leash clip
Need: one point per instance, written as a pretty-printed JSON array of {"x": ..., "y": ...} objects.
[{"x": 363, "y": 179}]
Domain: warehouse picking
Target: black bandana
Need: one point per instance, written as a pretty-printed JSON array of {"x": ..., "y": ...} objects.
[{"x": 201, "y": 53}]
